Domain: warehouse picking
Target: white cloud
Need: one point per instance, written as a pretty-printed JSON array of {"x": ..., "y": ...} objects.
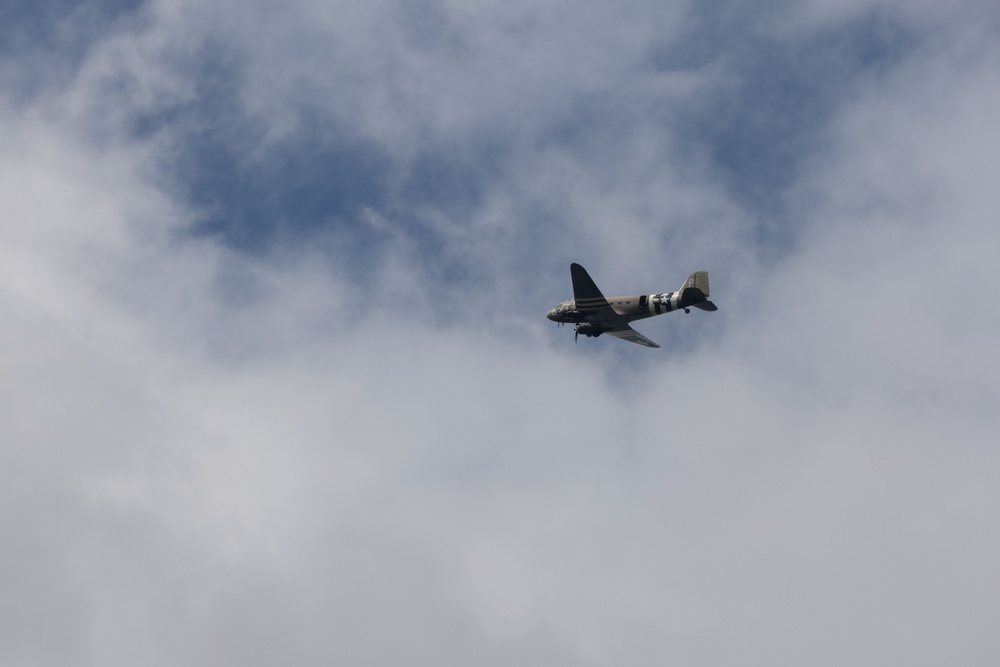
[{"x": 211, "y": 458}]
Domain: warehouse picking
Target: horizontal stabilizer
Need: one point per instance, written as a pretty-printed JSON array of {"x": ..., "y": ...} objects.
[
  {"x": 706, "y": 305},
  {"x": 695, "y": 290}
]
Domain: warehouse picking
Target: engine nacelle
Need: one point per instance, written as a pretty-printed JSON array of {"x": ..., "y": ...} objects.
[{"x": 588, "y": 329}]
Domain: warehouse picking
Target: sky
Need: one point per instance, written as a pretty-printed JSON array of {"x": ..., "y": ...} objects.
[{"x": 277, "y": 385}]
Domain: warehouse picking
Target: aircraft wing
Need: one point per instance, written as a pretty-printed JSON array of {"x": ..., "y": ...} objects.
[
  {"x": 625, "y": 332},
  {"x": 588, "y": 297}
]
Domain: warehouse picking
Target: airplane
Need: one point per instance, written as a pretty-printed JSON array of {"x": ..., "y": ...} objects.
[{"x": 594, "y": 314}]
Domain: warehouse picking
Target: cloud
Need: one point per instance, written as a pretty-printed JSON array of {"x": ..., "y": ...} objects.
[{"x": 348, "y": 435}]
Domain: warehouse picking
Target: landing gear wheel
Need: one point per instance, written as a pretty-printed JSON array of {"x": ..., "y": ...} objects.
[{"x": 687, "y": 310}]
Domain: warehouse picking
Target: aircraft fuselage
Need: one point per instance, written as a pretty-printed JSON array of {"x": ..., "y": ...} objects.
[{"x": 629, "y": 308}]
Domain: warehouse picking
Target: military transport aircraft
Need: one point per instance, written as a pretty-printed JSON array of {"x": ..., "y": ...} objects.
[{"x": 594, "y": 314}]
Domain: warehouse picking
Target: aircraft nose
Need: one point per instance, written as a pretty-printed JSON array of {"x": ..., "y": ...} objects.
[{"x": 551, "y": 314}]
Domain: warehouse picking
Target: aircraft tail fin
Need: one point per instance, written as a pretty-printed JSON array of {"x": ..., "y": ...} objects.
[
  {"x": 694, "y": 292},
  {"x": 588, "y": 297}
]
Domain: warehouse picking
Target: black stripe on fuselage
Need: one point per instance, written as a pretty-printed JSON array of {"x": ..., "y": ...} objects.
[{"x": 592, "y": 304}]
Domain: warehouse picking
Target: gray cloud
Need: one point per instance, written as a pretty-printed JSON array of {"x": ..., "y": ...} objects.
[{"x": 212, "y": 455}]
